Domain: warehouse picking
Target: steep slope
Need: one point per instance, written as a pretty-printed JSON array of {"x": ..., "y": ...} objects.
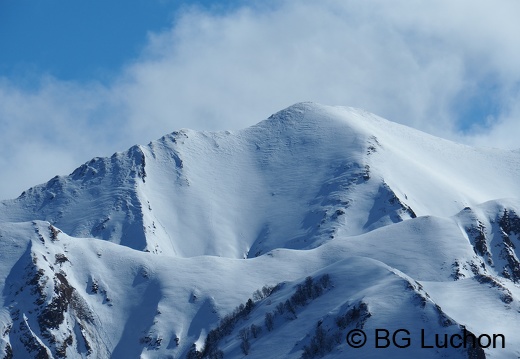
[
  {"x": 70, "y": 297},
  {"x": 274, "y": 241},
  {"x": 295, "y": 180}
]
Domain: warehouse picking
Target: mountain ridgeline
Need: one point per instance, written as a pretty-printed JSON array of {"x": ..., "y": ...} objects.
[{"x": 216, "y": 244}]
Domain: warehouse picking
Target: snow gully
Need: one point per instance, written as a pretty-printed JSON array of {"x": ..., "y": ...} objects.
[{"x": 464, "y": 340}]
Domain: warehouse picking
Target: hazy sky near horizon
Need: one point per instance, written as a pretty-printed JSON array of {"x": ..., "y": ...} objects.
[{"x": 83, "y": 79}]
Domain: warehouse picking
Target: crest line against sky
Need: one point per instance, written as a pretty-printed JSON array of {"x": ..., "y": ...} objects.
[{"x": 83, "y": 79}]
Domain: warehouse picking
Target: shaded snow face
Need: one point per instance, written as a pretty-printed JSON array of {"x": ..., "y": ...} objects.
[{"x": 202, "y": 244}]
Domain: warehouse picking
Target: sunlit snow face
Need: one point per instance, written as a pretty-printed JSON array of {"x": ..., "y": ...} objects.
[
  {"x": 361, "y": 224},
  {"x": 440, "y": 67}
]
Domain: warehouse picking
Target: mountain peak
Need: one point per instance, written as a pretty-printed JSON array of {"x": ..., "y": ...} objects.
[
  {"x": 312, "y": 171},
  {"x": 275, "y": 241},
  {"x": 311, "y": 112}
]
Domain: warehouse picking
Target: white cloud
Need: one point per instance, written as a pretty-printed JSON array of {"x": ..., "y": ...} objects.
[
  {"x": 409, "y": 61},
  {"x": 50, "y": 130}
]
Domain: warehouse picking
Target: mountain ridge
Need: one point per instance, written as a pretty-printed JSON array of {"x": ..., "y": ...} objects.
[
  {"x": 149, "y": 251},
  {"x": 330, "y": 153}
]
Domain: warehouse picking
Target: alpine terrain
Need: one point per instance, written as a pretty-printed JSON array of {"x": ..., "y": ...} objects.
[{"x": 288, "y": 239}]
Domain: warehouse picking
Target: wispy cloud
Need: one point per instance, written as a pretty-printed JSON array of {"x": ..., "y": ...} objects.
[{"x": 426, "y": 64}]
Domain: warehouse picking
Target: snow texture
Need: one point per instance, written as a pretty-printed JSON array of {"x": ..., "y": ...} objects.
[{"x": 205, "y": 243}]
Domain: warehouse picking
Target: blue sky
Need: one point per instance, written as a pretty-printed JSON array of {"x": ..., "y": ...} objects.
[
  {"x": 80, "y": 79},
  {"x": 83, "y": 40}
]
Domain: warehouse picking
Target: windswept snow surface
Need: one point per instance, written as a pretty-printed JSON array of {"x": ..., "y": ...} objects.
[{"x": 147, "y": 253}]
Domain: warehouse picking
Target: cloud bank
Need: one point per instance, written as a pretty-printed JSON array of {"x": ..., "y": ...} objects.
[{"x": 444, "y": 67}]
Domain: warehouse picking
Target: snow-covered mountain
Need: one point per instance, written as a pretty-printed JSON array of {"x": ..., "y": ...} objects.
[{"x": 274, "y": 241}]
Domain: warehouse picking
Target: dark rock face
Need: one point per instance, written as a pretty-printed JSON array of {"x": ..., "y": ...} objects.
[
  {"x": 509, "y": 225},
  {"x": 495, "y": 244},
  {"x": 510, "y": 222},
  {"x": 53, "y": 314},
  {"x": 43, "y": 321},
  {"x": 479, "y": 241}
]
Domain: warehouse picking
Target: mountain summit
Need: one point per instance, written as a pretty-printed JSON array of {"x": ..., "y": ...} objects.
[
  {"x": 292, "y": 181},
  {"x": 151, "y": 252}
]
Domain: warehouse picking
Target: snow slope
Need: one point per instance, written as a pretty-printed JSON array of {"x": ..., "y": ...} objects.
[
  {"x": 146, "y": 253},
  {"x": 289, "y": 181}
]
